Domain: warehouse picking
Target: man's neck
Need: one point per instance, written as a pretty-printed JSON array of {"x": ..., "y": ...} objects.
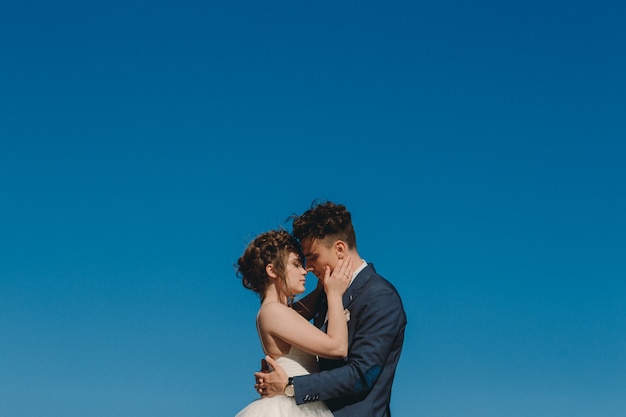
[{"x": 361, "y": 264}]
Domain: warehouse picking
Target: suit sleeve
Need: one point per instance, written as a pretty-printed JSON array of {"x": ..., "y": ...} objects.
[{"x": 379, "y": 319}]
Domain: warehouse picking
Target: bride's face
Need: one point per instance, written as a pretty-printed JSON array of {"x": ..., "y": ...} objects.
[{"x": 295, "y": 274}]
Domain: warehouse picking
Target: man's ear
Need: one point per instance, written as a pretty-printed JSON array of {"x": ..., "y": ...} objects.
[
  {"x": 341, "y": 249},
  {"x": 269, "y": 270}
]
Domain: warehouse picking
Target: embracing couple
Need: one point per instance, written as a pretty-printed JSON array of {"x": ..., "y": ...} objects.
[{"x": 342, "y": 364}]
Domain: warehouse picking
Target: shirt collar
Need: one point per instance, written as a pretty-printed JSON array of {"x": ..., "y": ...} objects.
[{"x": 357, "y": 271}]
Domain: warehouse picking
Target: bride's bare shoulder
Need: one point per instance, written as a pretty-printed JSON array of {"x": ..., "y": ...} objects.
[{"x": 272, "y": 308}]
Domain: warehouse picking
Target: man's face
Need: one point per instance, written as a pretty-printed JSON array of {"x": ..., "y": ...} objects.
[{"x": 317, "y": 255}]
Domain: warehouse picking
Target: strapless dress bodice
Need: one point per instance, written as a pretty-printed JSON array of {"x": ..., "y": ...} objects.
[{"x": 298, "y": 362}]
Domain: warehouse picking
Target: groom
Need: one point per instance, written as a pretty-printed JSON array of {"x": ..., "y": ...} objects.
[{"x": 359, "y": 385}]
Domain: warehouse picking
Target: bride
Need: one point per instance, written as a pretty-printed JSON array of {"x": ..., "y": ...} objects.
[{"x": 272, "y": 266}]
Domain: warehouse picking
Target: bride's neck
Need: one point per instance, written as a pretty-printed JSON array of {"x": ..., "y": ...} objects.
[{"x": 272, "y": 296}]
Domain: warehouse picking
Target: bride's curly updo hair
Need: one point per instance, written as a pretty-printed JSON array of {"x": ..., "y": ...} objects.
[
  {"x": 325, "y": 220},
  {"x": 272, "y": 247}
]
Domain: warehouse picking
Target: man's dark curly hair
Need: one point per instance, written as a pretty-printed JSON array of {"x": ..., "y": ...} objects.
[
  {"x": 325, "y": 220},
  {"x": 272, "y": 247}
]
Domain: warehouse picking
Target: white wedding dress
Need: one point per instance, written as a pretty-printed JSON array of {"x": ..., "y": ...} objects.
[{"x": 295, "y": 363}]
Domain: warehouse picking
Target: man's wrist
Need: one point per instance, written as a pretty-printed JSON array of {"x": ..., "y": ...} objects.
[{"x": 289, "y": 388}]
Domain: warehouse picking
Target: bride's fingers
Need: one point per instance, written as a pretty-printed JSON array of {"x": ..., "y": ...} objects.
[
  {"x": 341, "y": 274},
  {"x": 326, "y": 272},
  {"x": 344, "y": 266}
]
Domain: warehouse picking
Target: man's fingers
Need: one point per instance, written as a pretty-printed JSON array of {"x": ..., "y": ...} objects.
[{"x": 271, "y": 361}]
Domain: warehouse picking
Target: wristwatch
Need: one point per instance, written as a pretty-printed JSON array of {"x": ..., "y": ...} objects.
[{"x": 290, "y": 391}]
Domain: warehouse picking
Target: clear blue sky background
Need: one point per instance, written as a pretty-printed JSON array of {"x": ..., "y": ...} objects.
[{"x": 480, "y": 146}]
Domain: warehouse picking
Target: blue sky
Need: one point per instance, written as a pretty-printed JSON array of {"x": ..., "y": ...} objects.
[{"x": 479, "y": 145}]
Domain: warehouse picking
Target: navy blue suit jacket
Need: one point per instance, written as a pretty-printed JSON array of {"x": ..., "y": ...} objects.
[{"x": 360, "y": 385}]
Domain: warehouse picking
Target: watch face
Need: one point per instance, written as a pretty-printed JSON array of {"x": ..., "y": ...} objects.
[{"x": 290, "y": 391}]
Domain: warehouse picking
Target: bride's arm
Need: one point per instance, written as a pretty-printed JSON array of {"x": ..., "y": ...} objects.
[
  {"x": 286, "y": 324},
  {"x": 308, "y": 305}
]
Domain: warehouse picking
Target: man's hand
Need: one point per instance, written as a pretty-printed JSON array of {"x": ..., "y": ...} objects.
[
  {"x": 270, "y": 384},
  {"x": 259, "y": 379}
]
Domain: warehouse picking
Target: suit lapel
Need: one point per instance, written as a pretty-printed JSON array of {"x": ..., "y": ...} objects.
[
  {"x": 321, "y": 313},
  {"x": 348, "y": 297},
  {"x": 359, "y": 282}
]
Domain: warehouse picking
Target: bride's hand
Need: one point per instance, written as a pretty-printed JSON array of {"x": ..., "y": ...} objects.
[{"x": 339, "y": 280}]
